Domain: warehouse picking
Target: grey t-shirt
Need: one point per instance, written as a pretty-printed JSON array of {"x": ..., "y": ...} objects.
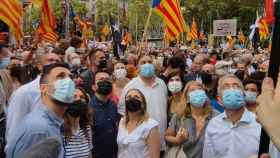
[{"x": 193, "y": 147}]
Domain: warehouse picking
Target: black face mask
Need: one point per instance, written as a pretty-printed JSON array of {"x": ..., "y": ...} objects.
[
  {"x": 77, "y": 108},
  {"x": 104, "y": 87},
  {"x": 133, "y": 105},
  {"x": 102, "y": 64},
  {"x": 205, "y": 77}
]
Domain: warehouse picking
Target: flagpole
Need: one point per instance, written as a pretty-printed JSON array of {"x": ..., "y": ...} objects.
[
  {"x": 147, "y": 24},
  {"x": 67, "y": 19}
]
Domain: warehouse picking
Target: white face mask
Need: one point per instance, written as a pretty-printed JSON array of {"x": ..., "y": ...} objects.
[
  {"x": 76, "y": 62},
  {"x": 175, "y": 86},
  {"x": 120, "y": 74}
]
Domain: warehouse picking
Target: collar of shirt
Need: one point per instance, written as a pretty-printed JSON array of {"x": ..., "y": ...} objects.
[
  {"x": 51, "y": 116},
  {"x": 245, "y": 118},
  {"x": 156, "y": 82},
  {"x": 98, "y": 102}
]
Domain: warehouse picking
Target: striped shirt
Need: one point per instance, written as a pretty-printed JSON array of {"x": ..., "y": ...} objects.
[{"x": 78, "y": 145}]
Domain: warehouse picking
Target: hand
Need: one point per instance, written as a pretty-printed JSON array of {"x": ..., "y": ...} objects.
[
  {"x": 182, "y": 135},
  {"x": 268, "y": 111}
]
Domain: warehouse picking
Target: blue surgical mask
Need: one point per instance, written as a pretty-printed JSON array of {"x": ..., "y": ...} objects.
[
  {"x": 147, "y": 70},
  {"x": 233, "y": 99},
  {"x": 197, "y": 98},
  {"x": 64, "y": 90},
  {"x": 250, "y": 97},
  {"x": 5, "y": 62}
]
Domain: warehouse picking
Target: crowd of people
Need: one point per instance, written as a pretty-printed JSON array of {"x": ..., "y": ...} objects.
[{"x": 60, "y": 100}]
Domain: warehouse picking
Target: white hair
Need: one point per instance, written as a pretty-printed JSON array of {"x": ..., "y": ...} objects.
[{"x": 222, "y": 82}]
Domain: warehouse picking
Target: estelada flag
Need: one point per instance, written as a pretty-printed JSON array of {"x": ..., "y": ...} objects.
[
  {"x": 194, "y": 32},
  {"x": 11, "y": 13},
  {"x": 172, "y": 16},
  {"x": 46, "y": 30}
]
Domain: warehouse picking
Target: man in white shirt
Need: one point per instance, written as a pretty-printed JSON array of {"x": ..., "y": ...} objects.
[
  {"x": 27, "y": 97},
  {"x": 234, "y": 133},
  {"x": 155, "y": 92}
]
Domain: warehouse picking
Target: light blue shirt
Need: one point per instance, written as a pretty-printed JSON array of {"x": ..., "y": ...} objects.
[
  {"x": 22, "y": 102},
  {"x": 40, "y": 124},
  {"x": 226, "y": 140},
  {"x": 273, "y": 151}
]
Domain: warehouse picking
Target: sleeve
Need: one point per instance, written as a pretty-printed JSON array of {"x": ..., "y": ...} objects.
[
  {"x": 27, "y": 142},
  {"x": 149, "y": 126},
  {"x": 208, "y": 149},
  {"x": 18, "y": 108}
]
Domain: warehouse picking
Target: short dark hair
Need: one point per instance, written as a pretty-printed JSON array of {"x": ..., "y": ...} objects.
[
  {"x": 47, "y": 69},
  {"x": 75, "y": 41},
  {"x": 58, "y": 51},
  {"x": 93, "y": 52},
  {"x": 102, "y": 71},
  {"x": 177, "y": 62},
  {"x": 258, "y": 83}
]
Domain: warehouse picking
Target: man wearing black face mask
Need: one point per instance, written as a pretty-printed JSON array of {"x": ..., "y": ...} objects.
[
  {"x": 105, "y": 118},
  {"x": 97, "y": 63}
]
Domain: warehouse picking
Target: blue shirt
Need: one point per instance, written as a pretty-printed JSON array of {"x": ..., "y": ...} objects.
[
  {"x": 40, "y": 124},
  {"x": 223, "y": 139},
  {"x": 105, "y": 119}
]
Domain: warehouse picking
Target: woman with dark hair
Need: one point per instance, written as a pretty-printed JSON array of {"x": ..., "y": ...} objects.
[
  {"x": 175, "y": 86},
  {"x": 119, "y": 81},
  {"x": 138, "y": 134},
  {"x": 77, "y": 127}
]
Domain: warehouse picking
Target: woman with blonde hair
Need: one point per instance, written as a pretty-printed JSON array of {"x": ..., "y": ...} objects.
[
  {"x": 138, "y": 135},
  {"x": 187, "y": 126}
]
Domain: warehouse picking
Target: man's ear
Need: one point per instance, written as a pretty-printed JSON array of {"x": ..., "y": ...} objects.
[
  {"x": 94, "y": 88},
  {"x": 43, "y": 89}
]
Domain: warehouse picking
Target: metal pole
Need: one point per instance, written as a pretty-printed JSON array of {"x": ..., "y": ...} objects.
[
  {"x": 136, "y": 36},
  {"x": 67, "y": 19}
]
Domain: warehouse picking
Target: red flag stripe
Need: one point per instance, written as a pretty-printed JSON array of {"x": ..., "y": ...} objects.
[
  {"x": 176, "y": 11},
  {"x": 165, "y": 12}
]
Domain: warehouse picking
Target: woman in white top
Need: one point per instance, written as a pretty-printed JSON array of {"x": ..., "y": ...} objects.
[{"x": 138, "y": 135}]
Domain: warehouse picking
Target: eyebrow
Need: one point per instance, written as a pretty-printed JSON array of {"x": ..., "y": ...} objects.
[{"x": 62, "y": 74}]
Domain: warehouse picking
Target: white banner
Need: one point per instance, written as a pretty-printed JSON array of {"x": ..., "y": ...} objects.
[{"x": 224, "y": 27}]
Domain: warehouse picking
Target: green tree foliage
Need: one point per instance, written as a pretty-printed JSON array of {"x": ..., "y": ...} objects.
[{"x": 205, "y": 11}]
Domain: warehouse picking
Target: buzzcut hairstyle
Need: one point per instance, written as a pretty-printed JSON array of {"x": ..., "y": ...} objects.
[
  {"x": 47, "y": 69},
  {"x": 222, "y": 80},
  {"x": 103, "y": 71}
]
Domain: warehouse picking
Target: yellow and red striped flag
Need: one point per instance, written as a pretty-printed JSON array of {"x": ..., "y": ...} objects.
[
  {"x": 46, "y": 30},
  {"x": 263, "y": 29},
  {"x": 194, "y": 32},
  {"x": 171, "y": 13},
  {"x": 11, "y": 13}
]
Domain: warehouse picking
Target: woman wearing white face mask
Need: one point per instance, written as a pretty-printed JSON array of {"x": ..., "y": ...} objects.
[
  {"x": 175, "y": 86},
  {"x": 119, "y": 81}
]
